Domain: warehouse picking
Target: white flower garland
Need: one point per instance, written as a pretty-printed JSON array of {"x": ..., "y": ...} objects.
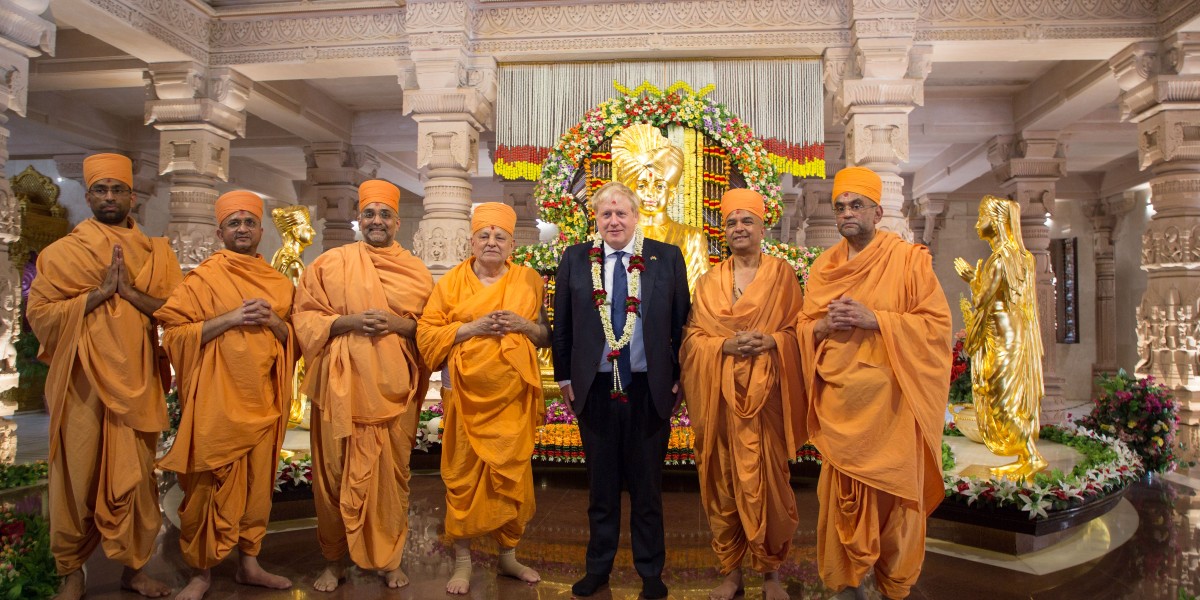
[{"x": 605, "y": 308}]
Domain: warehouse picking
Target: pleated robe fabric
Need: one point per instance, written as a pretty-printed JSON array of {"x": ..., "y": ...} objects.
[
  {"x": 103, "y": 391},
  {"x": 234, "y": 392},
  {"x": 748, "y": 412},
  {"x": 493, "y": 405},
  {"x": 366, "y": 395},
  {"x": 877, "y": 400}
]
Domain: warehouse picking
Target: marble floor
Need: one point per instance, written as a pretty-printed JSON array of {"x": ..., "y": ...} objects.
[{"x": 1160, "y": 561}]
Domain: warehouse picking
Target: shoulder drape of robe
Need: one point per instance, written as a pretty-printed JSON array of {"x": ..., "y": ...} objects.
[
  {"x": 115, "y": 342},
  {"x": 867, "y": 389},
  {"x": 354, "y": 378},
  {"x": 233, "y": 389},
  {"x": 770, "y": 305},
  {"x": 482, "y": 368}
]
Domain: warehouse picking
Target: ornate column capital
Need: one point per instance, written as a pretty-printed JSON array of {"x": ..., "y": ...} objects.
[{"x": 335, "y": 170}]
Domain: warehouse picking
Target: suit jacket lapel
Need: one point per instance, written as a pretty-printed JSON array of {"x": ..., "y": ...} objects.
[{"x": 650, "y": 259}]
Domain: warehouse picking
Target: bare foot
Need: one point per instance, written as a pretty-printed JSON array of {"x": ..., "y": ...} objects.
[
  {"x": 396, "y": 578},
  {"x": 197, "y": 586},
  {"x": 730, "y": 588},
  {"x": 251, "y": 573},
  {"x": 773, "y": 588},
  {"x": 460, "y": 579},
  {"x": 329, "y": 579},
  {"x": 73, "y": 586},
  {"x": 138, "y": 581}
]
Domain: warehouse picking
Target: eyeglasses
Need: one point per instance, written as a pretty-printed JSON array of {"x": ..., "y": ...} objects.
[
  {"x": 856, "y": 206},
  {"x": 101, "y": 191}
]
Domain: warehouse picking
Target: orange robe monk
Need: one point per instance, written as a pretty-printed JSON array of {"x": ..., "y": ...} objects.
[
  {"x": 234, "y": 392},
  {"x": 493, "y": 405},
  {"x": 747, "y": 411},
  {"x": 366, "y": 393},
  {"x": 104, "y": 392},
  {"x": 876, "y": 403}
]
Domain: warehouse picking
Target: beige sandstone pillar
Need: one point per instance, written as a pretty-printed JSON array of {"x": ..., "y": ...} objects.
[
  {"x": 1160, "y": 85},
  {"x": 820, "y": 226},
  {"x": 197, "y": 110},
  {"x": 335, "y": 170}
]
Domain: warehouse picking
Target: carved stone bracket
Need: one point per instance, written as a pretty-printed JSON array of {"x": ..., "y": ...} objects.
[
  {"x": 929, "y": 210},
  {"x": 335, "y": 170}
]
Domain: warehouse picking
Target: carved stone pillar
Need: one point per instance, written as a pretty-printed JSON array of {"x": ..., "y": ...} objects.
[
  {"x": 820, "y": 226},
  {"x": 1160, "y": 85},
  {"x": 875, "y": 84},
  {"x": 519, "y": 194},
  {"x": 927, "y": 220},
  {"x": 1028, "y": 168},
  {"x": 197, "y": 111},
  {"x": 788, "y": 227},
  {"x": 1105, "y": 215},
  {"x": 335, "y": 170},
  {"x": 450, "y": 95},
  {"x": 24, "y": 35}
]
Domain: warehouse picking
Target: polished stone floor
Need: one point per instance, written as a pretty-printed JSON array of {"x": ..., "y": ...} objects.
[{"x": 1160, "y": 561}]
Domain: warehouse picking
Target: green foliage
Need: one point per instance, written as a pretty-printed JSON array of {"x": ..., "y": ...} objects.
[
  {"x": 1094, "y": 452},
  {"x": 14, "y": 476},
  {"x": 947, "y": 457},
  {"x": 28, "y": 365},
  {"x": 26, "y": 566}
]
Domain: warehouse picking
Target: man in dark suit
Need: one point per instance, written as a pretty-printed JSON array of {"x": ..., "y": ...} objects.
[{"x": 623, "y": 399}]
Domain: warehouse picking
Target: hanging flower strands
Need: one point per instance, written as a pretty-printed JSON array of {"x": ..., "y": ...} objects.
[
  {"x": 677, "y": 105},
  {"x": 632, "y": 304}
]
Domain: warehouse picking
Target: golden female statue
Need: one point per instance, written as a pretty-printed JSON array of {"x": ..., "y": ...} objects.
[
  {"x": 295, "y": 227},
  {"x": 1004, "y": 340},
  {"x": 647, "y": 163}
]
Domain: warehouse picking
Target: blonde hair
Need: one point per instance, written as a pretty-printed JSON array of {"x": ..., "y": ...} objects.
[{"x": 603, "y": 192}]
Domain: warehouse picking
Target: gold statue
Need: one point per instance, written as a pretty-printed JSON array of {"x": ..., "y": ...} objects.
[
  {"x": 647, "y": 163},
  {"x": 295, "y": 227},
  {"x": 1004, "y": 340}
]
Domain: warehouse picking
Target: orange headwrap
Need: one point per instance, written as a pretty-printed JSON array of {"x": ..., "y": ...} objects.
[
  {"x": 742, "y": 199},
  {"x": 378, "y": 190},
  {"x": 107, "y": 166},
  {"x": 231, "y": 202},
  {"x": 494, "y": 213},
  {"x": 859, "y": 180}
]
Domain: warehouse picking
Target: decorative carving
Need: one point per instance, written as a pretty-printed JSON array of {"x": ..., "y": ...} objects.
[
  {"x": 181, "y": 25},
  {"x": 1038, "y": 10},
  {"x": 193, "y": 244},
  {"x": 438, "y": 247},
  {"x": 1168, "y": 328},
  {"x": 376, "y": 25}
]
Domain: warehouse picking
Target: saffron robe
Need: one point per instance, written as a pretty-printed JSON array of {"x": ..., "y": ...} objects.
[
  {"x": 103, "y": 392},
  {"x": 494, "y": 403},
  {"x": 366, "y": 394},
  {"x": 234, "y": 392},
  {"x": 876, "y": 405},
  {"x": 748, "y": 412}
]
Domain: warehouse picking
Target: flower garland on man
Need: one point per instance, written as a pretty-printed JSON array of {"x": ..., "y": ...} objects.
[{"x": 638, "y": 287}]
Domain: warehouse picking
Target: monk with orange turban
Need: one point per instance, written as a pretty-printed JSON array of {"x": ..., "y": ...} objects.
[
  {"x": 90, "y": 306},
  {"x": 355, "y": 319},
  {"x": 228, "y": 338},
  {"x": 484, "y": 323},
  {"x": 740, "y": 371},
  {"x": 875, "y": 338}
]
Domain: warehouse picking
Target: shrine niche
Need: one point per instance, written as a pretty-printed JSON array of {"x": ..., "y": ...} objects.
[{"x": 44, "y": 221}]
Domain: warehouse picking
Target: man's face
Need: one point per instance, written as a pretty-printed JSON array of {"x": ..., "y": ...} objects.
[
  {"x": 110, "y": 201},
  {"x": 616, "y": 220},
  {"x": 241, "y": 232},
  {"x": 491, "y": 246},
  {"x": 654, "y": 192},
  {"x": 856, "y": 215},
  {"x": 744, "y": 232},
  {"x": 378, "y": 223}
]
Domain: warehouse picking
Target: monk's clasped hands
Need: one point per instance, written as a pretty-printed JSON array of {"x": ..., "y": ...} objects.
[
  {"x": 748, "y": 343},
  {"x": 846, "y": 313}
]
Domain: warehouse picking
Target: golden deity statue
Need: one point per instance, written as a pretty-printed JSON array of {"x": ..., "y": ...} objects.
[
  {"x": 645, "y": 160},
  {"x": 295, "y": 227},
  {"x": 1004, "y": 340}
]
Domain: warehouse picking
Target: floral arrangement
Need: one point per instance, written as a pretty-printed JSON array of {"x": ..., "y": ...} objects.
[
  {"x": 14, "y": 476},
  {"x": 677, "y": 105},
  {"x": 800, "y": 257},
  {"x": 1108, "y": 466},
  {"x": 293, "y": 472},
  {"x": 429, "y": 427},
  {"x": 960, "y": 372},
  {"x": 26, "y": 565},
  {"x": 557, "y": 413},
  {"x": 541, "y": 257},
  {"x": 1141, "y": 413}
]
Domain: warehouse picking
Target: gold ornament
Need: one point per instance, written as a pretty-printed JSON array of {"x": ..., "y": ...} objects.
[
  {"x": 1004, "y": 340},
  {"x": 647, "y": 163},
  {"x": 295, "y": 227}
]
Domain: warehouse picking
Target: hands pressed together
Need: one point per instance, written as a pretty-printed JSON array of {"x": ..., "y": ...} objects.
[
  {"x": 748, "y": 343},
  {"x": 501, "y": 322},
  {"x": 845, "y": 314}
]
